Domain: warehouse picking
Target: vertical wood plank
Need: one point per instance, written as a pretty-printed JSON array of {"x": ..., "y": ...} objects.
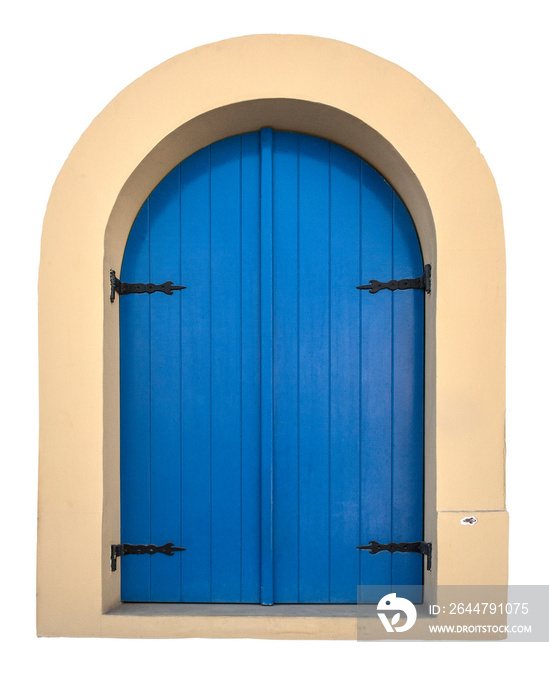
[
  {"x": 164, "y": 218},
  {"x": 314, "y": 371},
  {"x": 196, "y": 379},
  {"x": 344, "y": 374},
  {"x": 286, "y": 368},
  {"x": 266, "y": 136},
  {"x": 376, "y": 377},
  {"x": 135, "y": 413},
  {"x": 408, "y": 323},
  {"x": 250, "y": 370},
  {"x": 226, "y": 369}
]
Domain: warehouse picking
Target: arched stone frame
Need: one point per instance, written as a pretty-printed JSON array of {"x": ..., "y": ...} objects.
[{"x": 295, "y": 83}]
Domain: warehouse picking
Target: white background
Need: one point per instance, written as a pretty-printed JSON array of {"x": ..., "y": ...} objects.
[{"x": 62, "y": 62}]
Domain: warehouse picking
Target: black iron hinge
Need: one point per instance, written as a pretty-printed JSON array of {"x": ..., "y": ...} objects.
[
  {"x": 423, "y": 282},
  {"x": 119, "y": 550},
  {"x": 140, "y": 287},
  {"x": 425, "y": 548}
]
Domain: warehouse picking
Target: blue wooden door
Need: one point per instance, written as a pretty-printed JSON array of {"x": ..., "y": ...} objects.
[{"x": 271, "y": 413}]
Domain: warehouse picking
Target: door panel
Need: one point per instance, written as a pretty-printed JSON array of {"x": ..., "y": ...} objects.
[
  {"x": 272, "y": 414},
  {"x": 196, "y": 420}
]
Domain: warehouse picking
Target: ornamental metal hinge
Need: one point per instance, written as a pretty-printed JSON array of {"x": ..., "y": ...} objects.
[
  {"x": 119, "y": 550},
  {"x": 425, "y": 548},
  {"x": 140, "y": 287},
  {"x": 423, "y": 282}
]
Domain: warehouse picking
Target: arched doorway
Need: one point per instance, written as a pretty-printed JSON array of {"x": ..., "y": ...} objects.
[
  {"x": 384, "y": 115},
  {"x": 271, "y": 412}
]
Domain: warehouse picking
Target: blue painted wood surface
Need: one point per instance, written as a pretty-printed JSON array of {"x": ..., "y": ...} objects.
[
  {"x": 266, "y": 378},
  {"x": 271, "y": 414}
]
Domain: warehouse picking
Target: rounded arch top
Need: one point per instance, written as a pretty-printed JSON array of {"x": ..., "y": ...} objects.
[{"x": 319, "y": 86}]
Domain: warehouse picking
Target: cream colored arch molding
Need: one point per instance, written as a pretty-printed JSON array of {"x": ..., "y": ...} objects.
[{"x": 296, "y": 83}]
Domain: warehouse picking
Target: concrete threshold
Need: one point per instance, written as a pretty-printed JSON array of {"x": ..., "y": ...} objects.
[{"x": 241, "y": 610}]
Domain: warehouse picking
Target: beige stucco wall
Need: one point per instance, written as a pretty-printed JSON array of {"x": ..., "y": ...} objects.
[{"x": 388, "y": 117}]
